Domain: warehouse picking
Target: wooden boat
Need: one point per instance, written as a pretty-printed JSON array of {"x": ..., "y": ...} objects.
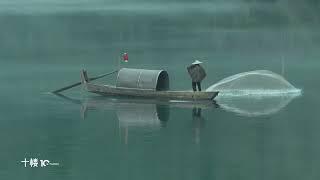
[{"x": 144, "y": 84}]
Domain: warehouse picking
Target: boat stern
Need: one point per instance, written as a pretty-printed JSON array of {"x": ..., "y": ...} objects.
[{"x": 215, "y": 94}]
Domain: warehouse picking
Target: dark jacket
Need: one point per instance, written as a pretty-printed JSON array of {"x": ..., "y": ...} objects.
[{"x": 196, "y": 72}]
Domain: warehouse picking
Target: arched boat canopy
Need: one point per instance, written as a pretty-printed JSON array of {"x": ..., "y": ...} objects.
[{"x": 157, "y": 80}]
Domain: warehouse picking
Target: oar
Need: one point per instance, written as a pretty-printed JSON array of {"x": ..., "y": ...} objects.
[{"x": 78, "y": 83}]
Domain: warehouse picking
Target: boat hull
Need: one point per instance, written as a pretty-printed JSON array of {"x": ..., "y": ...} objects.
[{"x": 177, "y": 95}]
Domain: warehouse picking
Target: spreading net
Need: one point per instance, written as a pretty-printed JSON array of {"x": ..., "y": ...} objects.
[{"x": 259, "y": 82}]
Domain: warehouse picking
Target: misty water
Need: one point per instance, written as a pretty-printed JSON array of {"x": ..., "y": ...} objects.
[{"x": 45, "y": 44}]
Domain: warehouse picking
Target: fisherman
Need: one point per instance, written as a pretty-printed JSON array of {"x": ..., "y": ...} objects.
[{"x": 197, "y": 74}]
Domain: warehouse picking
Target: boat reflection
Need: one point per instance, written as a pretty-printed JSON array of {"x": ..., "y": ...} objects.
[
  {"x": 252, "y": 106},
  {"x": 147, "y": 112},
  {"x": 136, "y": 112},
  {"x": 143, "y": 113}
]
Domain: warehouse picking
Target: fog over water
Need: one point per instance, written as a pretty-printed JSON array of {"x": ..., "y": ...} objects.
[{"x": 45, "y": 43}]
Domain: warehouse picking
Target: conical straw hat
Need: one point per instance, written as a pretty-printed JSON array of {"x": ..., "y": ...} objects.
[{"x": 197, "y": 62}]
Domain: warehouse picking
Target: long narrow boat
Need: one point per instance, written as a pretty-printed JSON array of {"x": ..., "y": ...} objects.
[{"x": 143, "y": 83}]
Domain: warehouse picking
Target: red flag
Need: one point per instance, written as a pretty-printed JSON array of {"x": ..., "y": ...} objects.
[{"x": 125, "y": 57}]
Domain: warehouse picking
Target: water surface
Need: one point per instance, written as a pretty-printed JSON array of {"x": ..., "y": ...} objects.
[{"x": 97, "y": 138}]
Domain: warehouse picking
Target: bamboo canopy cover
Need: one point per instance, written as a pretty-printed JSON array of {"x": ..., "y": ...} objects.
[{"x": 157, "y": 80}]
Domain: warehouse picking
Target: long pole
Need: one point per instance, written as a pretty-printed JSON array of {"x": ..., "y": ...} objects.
[
  {"x": 79, "y": 83},
  {"x": 119, "y": 62}
]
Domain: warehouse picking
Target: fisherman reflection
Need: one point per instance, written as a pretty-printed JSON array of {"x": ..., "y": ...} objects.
[{"x": 198, "y": 123}]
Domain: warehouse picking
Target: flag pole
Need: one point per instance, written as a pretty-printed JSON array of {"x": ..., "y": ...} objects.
[{"x": 119, "y": 63}]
